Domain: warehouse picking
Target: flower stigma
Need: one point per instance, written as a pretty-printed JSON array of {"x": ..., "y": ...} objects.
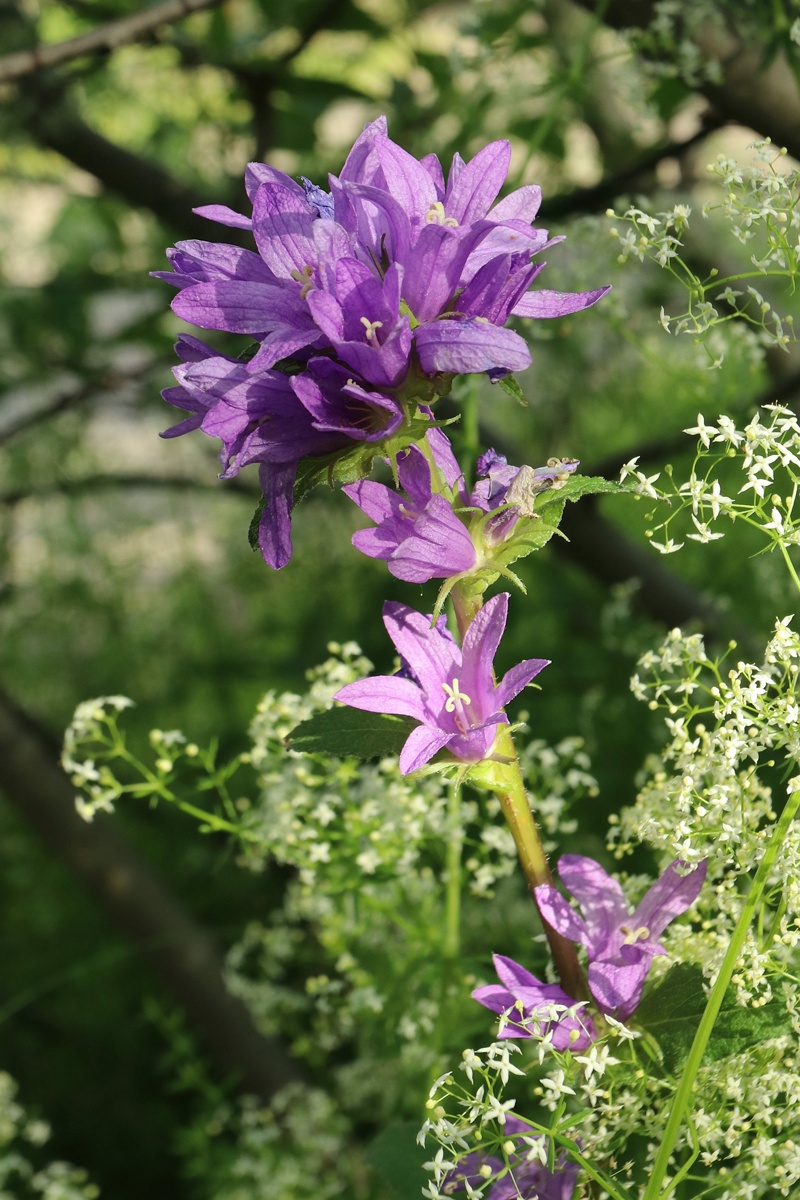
[
  {"x": 370, "y": 327},
  {"x": 456, "y": 699},
  {"x": 305, "y": 278},
  {"x": 632, "y": 936},
  {"x": 435, "y": 216}
]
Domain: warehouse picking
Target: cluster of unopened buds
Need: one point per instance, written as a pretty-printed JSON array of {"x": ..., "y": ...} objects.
[{"x": 363, "y": 302}]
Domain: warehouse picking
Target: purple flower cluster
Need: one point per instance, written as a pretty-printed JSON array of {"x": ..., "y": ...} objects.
[
  {"x": 621, "y": 947},
  {"x": 378, "y": 291},
  {"x": 524, "y": 1178}
]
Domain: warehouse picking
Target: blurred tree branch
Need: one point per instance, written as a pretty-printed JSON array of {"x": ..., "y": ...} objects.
[
  {"x": 595, "y": 544},
  {"x": 598, "y": 197},
  {"x": 139, "y": 181},
  {"x": 756, "y": 89},
  {"x": 178, "y": 950},
  {"x": 104, "y": 38},
  {"x": 90, "y": 484}
]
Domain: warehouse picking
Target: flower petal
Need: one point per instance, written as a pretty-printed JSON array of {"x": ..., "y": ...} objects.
[
  {"x": 421, "y": 745},
  {"x": 543, "y": 303},
  {"x": 275, "y": 526},
  {"x": 433, "y": 657},
  {"x": 474, "y": 189},
  {"x": 555, "y": 910},
  {"x": 384, "y": 694},
  {"x": 467, "y": 346},
  {"x": 669, "y": 896},
  {"x": 478, "y": 650},
  {"x": 517, "y": 678},
  {"x": 600, "y": 896},
  {"x": 223, "y": 216},
  {"x": 618, "y": 988}
]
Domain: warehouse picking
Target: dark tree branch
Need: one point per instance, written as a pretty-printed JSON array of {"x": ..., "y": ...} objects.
[
  {"x": 139, "y": 181},
  {"x": 62, "y": 401},
  {"x": 106, "y": 37},
  {"x": 91, "y": 484},
  {"x": 597, "y": 198},
  {"x": 599, "y": 547},
  {"x": 179, "y": 951}
]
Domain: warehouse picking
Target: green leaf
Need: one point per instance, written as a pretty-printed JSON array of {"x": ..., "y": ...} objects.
[
  {"x": 509, "y": 384},
  {"x": 339, "y": 467},
  {"x": 577, "y": 486},
  {"x": 671, "y": 1013},
  {"x": 396, "y": 1157},
  {"x": 350, "y": 733},
  {"x": 255, "y": 521}
]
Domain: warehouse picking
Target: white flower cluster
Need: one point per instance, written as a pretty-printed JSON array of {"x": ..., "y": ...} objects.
[
  {"x": 92, "y": 722},
  {"x": 668, "y": 46},
  {"x": 577, "y": 1094},
  {"x": 766, "y": 451},
  {"x": 295, "y": 1149},
  {"x": 760, "y": 206},
  {"x": 19, "y": 1135}
]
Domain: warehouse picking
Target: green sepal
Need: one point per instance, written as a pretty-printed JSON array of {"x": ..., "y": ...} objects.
[
  {"x": 532, "y": 533},
  {"x": 346, "y": 732},
  {"x": 249, "y": 352},
  {"x": 355, "y": 461},
  {"x": 672, "y": 1011},
  {"x": 509, "y": 385},
  {"x": 255, "y": 522}
]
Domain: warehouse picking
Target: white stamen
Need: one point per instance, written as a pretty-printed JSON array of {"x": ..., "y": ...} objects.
[
  {"x": 370, "y": 327},
  {"x": 435, "y": 216},
  {"x": 456, "y": 700}
]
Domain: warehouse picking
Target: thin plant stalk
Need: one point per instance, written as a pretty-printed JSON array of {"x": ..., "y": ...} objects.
[{"x": 680, "y": 1103}]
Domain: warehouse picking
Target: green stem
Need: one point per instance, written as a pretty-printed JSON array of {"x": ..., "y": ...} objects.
[
  {"x": 470, "y": 436},
  {"x": 680, "y": 1104},
  {"x": 790, "y": 565},
  {"x": 517, "y": 811},
  {"x": 509, "y": 787},
  {"x": 452, "y": 911}
]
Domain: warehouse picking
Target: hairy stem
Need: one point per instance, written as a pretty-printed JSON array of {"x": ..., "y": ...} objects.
[
  {"x": 509, "y": 787},
  {"x": 516, "y": 807}
]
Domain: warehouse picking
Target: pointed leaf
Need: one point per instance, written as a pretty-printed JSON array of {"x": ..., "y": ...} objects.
[
  {"x": 509, "y": 384},
  {"x": 671, "y": 1013},
  {"x": 351, "y": 733},
  {"x": 255, "y": 523},
  {"x": 396, "y": 1157}
]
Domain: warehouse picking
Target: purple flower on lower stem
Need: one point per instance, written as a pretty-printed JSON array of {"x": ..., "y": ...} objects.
[
  {"x": 524, "y": 1178},
  {"x": 452, "y": 692},
  {"x": 418, "y": 530},
  {"x": 621, "y": 945},
  {"x": 530, "y": 1008}
]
